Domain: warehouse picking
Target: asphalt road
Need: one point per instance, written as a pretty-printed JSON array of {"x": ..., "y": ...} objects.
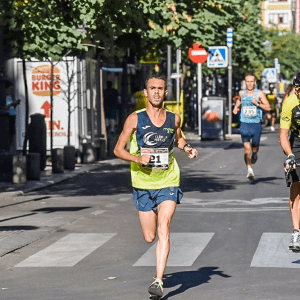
[{"x": 229, "y": 235}]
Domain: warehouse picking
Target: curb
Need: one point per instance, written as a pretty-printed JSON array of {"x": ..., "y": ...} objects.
[{"x": 54, "y": 178}]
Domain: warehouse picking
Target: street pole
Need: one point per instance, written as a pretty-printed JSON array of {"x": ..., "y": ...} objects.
[
  {"x": 229, "y": 45},
  {"x": 178, "y": 62},
  {"x": 2, "y": 79},
  {"x": 229, "y": 91},
  {"x": 4, "y": 116},
  {"x": 199, "y": 71},
  {"x": 169, "y": 69}
]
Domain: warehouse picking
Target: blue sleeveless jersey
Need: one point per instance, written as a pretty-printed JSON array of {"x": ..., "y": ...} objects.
[
  {"x": 150, "y": 136},
  {"x": 147, "y": 135},
  {"x": 247, "y": 101}
]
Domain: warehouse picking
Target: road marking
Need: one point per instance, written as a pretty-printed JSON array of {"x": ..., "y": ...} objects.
[
  {"x": 233, "y": 209},
  {"x": 210, "y": 205},
  {"x": 255, "y": 201},
  {"x": 185, "y": 248},
  {"x": 111, "y": 205},
  {"x": 98, "y": 212},
  {"x": 67, "y": 251},
  {"x": 272, "y": 251},
  {"x": 124, "y": 199}
]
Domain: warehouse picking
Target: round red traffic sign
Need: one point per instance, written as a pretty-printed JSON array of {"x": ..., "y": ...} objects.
[{"x": 197, "y": 54}]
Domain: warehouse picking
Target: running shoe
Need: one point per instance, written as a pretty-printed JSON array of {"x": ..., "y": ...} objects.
[
  {"x": 250, "y": 174},
  {"x": 294, "y": 244},
  {"x": 156, "y": 288},
  {"x": 272, "y": 128},
  {"x": 254, "y": 158}
]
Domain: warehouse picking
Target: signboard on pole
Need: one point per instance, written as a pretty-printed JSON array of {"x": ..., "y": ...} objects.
[
  {"x": 39, "y": 79},
  {"x": 270, "y": 74},
  {"x": 229, "y": 37},
  {"x": 197, "y": 54},
  {"x": 218, "y": 57}
]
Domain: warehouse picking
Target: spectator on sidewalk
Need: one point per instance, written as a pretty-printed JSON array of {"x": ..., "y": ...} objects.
[
  {"x": 10, "y": 106},
  {"x": 111, "y": 102}
]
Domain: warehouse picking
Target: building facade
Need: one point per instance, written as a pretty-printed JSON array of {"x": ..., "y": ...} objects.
[{"x": 281, "y": 14}]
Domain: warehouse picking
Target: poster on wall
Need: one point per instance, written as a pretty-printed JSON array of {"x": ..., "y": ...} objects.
[
  {"x": 213, "y": 119},
  {"x": 64, "y": 94}
]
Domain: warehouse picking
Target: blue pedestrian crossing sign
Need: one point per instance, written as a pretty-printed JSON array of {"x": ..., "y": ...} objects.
[
  {"x": 270, "y": 74},
  {"x": 218, "y": 57}
]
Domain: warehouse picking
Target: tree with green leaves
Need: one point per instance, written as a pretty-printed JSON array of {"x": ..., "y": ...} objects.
[
  {"x": 43, "y": 29},
  {"x": 286, "y": 47}
]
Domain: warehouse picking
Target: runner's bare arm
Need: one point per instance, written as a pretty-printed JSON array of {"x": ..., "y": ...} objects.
[
  {"x": 284, "y": 141},
  {"x": 264, "y": 103},
  {"x": 181, "y": 142},
  {"x": 238, "y": 102},
  {"x": 120, "y": 151}
]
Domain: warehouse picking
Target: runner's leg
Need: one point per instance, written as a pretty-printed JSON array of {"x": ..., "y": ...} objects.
[
  {"x": 148, "y": 220},
  {"x": 165, "y": 213},
  {"x": 247, "y": 154},
  {"x": 255, "y": 149},
  {"x": 295, "y": 204},
  {"x": 273, "y": 118}
]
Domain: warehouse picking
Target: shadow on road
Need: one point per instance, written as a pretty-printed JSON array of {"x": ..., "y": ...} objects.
[
  {"x": 17, "y": 228},
  {"x": 265, "y": 179},
  {"x": 116, "y": 179},
  {"x": 107, "y": 180},
  {"x": 189, "y": 279}
]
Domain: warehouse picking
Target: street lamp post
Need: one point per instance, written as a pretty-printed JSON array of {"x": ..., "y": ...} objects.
[{"x": 293, "y": 8}]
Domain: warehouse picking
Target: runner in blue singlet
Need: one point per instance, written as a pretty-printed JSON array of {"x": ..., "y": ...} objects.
[{"x": 251, "y": 102}]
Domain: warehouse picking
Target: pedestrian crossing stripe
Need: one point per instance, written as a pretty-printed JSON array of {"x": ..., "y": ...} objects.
[
  {"x": 272, "y": 252},
  {"x": 67, "y": 251},
  {"x": 186, "y": 247}
]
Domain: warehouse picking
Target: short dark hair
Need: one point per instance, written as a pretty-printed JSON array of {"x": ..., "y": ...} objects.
[
  {"x": 161, "y": 77},
  {"x": 250, "y": 74}
]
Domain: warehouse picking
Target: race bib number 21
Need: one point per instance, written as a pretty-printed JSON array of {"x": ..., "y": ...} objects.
[{"x": 159, "y": 157}]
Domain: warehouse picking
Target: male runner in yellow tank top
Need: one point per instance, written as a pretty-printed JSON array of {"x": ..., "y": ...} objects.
[
  {"x": 272, "y": 99},
  {"x": 154, "y": 171}
]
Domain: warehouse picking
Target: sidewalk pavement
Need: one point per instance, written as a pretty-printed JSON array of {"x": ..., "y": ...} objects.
[{"x": 10, "y": 190}]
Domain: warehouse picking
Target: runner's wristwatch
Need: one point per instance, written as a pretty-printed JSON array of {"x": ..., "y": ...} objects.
[{"x": 186, "y": 145}]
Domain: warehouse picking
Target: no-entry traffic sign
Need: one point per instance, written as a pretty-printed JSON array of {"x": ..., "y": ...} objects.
[{"x": 197, "y": 54}]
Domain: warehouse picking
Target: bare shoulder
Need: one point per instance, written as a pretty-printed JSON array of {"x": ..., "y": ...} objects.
[
  {"x": 177, "y": 120},
  {"x": 131, "y": 121},
  {"x": 261, "y": 94},
  {"x": 132, "y": 117}
]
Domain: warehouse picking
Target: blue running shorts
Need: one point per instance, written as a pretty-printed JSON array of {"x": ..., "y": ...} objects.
[
  {"x": 251, "y": 131},
  {"x": 147, "y": 200}
]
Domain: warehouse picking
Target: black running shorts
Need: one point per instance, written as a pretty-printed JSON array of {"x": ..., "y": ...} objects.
[{"x": 295, "y": 145}]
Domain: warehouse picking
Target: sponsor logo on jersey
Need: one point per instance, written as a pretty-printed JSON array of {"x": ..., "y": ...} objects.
[
  {"x": 152, "y": 138},
  {"x": 145, "y": 127},
  {"x": 169, "y": 130},
  {"x": 285, "y": 118}
]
